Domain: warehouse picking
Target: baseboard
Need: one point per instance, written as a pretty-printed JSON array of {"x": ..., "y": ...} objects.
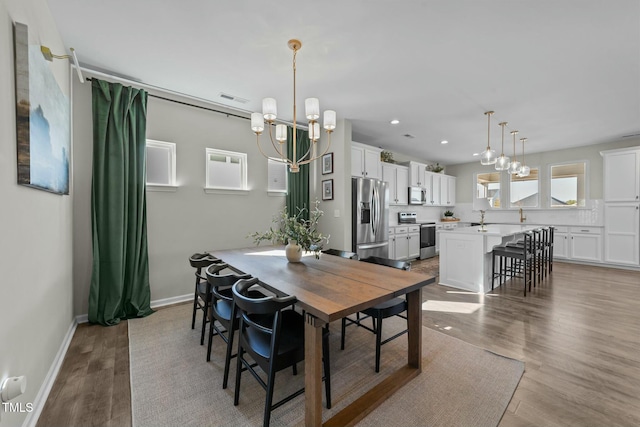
[
  {"x": 84, "y": 318},
  {"x": 45, "y": 389},
  {"x": 172, "y": 300}
]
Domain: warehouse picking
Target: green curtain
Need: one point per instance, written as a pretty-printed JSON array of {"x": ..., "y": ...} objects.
[
  {"x": 120, "y": 275},
  {"x": 298, "y": 194}
]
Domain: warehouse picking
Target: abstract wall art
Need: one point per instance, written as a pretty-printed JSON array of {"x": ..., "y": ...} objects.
[{"x": 42, "y": 114}]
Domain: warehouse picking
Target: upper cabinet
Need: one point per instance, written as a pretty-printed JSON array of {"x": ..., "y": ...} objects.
[
  {"x": 365, "y": 161},
  {"x": 417, "y": 174},
  {"x": 398, "y": 178},
  {"x": 622, "y": 175},
  {"x": 448, "y": 190}
]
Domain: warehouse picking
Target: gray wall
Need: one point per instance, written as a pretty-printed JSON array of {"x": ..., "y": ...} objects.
[
  {"x": 188, "y": 220},
  {"x": 465, "y": 172},
  {"x": 35, "y": 247}
]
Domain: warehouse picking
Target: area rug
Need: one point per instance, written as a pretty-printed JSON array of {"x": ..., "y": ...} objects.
[{"x": 172, "y": 384}]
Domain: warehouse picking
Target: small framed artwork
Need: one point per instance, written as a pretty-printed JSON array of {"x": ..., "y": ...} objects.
[
  {"x": 327, "y": 189},
  {"x": 327, "y": 164}
]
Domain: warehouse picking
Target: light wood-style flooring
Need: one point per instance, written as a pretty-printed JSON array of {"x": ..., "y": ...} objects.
[{"x": 578, "y": 334}]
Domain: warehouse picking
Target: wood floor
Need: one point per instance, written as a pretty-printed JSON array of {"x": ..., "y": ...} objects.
[{"x": 578, "y": 334}]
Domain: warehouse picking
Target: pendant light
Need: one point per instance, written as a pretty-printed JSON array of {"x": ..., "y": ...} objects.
[
  {"x": 524, "y": 169},
  {"x": 502, "y": 164},
  {"x": 488, "y": 157},
  {"x": 514, "y": 167}
]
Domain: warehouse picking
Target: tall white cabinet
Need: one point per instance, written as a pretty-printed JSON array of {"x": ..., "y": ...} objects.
[{"x": 622, "y": 206}]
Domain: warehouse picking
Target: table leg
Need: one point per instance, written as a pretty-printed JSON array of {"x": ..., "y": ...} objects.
[
  {"x": 414, "y": 320},
  {"x": 313, "y": 371}
]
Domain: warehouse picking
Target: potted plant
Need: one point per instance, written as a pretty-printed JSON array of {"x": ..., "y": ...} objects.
[
  {"x": 435, "y": 168},
  {"x": 386, "y": 156},
  {"x": 448, "y": 214},
  {"x": 296, "y": 232}
]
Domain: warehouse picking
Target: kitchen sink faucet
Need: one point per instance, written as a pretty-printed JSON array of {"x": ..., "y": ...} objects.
[{"x": 522, "y": 217}]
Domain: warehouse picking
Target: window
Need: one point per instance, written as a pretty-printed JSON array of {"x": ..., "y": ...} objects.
[
  {"x": 161, "y": 163},
  {"x": 488, "y": 187},
  {"x": 226, "y": 170},
  {"x": 277, "y": 176},
  {"x": 568, "y": 185},
  {"x": 524, "y": 191}
]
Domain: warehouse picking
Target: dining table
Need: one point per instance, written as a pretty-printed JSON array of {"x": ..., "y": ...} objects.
[{"x": 329, "y": 288}]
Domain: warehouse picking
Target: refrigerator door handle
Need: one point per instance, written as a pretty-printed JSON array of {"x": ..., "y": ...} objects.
[
  {"x": 374, "y": 211},
  {"x": 373, "y": 245}
]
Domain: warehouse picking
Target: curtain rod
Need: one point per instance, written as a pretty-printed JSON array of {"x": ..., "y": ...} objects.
[{"x": 171, "y": 92}]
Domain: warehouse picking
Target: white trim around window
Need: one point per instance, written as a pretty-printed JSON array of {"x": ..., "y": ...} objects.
[
  {"x": 160, "y": 165},
  {"x": 226, "y": 172}
]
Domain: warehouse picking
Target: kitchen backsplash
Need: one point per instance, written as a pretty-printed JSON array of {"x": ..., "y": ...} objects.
[{"x": 592, "y": 215}]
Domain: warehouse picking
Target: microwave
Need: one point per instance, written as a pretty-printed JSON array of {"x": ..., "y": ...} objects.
[{"x": 417, "y": 196}]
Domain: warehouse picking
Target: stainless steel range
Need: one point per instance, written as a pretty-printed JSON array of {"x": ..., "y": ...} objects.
[{"x": 427, "y": 233}]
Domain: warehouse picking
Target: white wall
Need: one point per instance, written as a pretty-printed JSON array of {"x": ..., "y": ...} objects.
[
  {"x": 35, "y": 229},
  {"x": 186, "y": 221},
  {"x": 336, "y": 221}
]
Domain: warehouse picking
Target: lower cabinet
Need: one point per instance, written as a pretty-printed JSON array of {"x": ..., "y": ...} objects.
[
  {"x": 404, "y": 242},
  {"x": 578, "y": 243}
]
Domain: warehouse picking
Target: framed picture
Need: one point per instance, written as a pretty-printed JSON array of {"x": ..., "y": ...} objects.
[
  {"x": 327, "y": 164},
  {"x": 42, "y": 114},
  {"x": 327, "y": 189}
]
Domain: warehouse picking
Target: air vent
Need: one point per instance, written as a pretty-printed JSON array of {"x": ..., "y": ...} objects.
[
  {"x": 233, "y": 98},
  {"x": 408, "y": 135}
]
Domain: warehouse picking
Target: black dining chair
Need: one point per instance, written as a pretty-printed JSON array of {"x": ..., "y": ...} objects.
[
  {"x": 272, "y": 333},
  {"x": 392, "y": 307},
  {"x": 221, "y": 309},
  {"x": 341, "y": 254},
  {"x": 201, "y": 298}
]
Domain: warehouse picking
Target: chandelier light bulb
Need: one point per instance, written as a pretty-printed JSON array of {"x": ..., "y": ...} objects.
[
  {"x": 329, "y": 120},
  {"x": 257, "y": 123},
  {"x": 514, "y": 167},
  {"x": 281, "y": 133},
  {"x": 524, "y": 169},
  {"x": 269, "y": 109},
  {"x": 312, "y": 108}
]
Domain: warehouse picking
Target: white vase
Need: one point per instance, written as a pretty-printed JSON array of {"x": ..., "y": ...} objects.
[{"x": 293, "y": 251}]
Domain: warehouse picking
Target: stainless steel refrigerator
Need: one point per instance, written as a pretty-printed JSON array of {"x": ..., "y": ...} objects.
[{"x": 370, "y": 217}]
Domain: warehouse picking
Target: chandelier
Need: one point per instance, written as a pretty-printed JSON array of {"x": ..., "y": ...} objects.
[
  {"x": 312, "y": 112},
  {"x": 524, "y": 169},
  {"x": 488, "y": 157},
  {"x": 502, "y": 164}
]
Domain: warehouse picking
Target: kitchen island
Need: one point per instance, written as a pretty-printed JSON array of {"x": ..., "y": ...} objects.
[{"x": 465, "y": 254}]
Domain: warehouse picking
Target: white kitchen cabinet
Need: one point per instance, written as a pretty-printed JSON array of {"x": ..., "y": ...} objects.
[
  {"x": 578, "y": 243},
  {"x": 447, "y": 190},
  {"x": 398, "y": 178},
  {"x": 621, "y": 175},
  {"x": 433, "y": 188},
  {"x": 404, "y": 242},
  {"x": 622, "y": 233},
  {"x": 365, "y": 161},
  {"x": 413, "y": 241},
  {"x": 621, "y": 182},
  {"x": 417, "y": 174},
  {"x": 400, "y": 243}
]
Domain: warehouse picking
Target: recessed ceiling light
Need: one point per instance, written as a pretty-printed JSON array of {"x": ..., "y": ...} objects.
[
  {"x": 444, "y": 141},
  {"x": 394, "y": 121},
  {"x": 476, "y": 154}
]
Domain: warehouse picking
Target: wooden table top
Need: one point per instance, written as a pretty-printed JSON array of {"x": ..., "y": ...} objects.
[{"x": 329, "y": 288}]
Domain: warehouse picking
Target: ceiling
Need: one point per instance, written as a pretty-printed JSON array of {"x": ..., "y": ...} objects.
[{"x": 564, "y": 73}]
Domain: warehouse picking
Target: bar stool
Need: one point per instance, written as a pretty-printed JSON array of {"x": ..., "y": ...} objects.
[{"x": 517, "y": 260}]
